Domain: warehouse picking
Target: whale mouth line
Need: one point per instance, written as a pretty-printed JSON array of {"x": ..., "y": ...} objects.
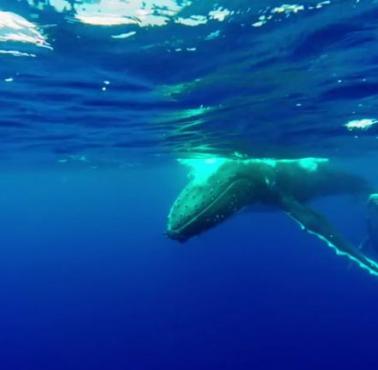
[{"x": 178, "y": 230}]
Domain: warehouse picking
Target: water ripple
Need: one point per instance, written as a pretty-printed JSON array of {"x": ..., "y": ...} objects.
[{"x": 262, "y": 79}]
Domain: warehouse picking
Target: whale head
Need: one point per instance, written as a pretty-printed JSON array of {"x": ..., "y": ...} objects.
[{"x": 209, "y": 199}]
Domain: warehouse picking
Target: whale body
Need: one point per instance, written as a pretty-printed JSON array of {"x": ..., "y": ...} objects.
[{"x": 221, "y": 187}]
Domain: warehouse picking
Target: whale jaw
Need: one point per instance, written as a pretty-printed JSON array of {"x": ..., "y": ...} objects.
[{"x": 201, "y": 207}]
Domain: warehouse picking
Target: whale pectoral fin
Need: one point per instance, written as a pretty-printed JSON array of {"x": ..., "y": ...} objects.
[
  {"x": 318, "y": 225},
  {"x": 372, "y": 224}
]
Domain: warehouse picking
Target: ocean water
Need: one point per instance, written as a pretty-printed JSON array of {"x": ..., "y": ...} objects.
[{"x": 99, "y": 98}]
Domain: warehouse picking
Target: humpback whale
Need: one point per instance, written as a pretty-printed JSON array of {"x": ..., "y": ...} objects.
[{"x": 221, "y": 187}]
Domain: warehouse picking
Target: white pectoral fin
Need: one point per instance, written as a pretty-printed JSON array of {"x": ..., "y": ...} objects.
[
  {"x": 316, "y": 224},
  {"x": 372, "y": 223}
]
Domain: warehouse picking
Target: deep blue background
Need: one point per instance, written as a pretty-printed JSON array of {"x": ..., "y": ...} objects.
[{"x": 89, "y": 281}]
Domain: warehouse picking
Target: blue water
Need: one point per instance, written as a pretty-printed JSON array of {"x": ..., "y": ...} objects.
[{"x": 93, "y": 118}]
